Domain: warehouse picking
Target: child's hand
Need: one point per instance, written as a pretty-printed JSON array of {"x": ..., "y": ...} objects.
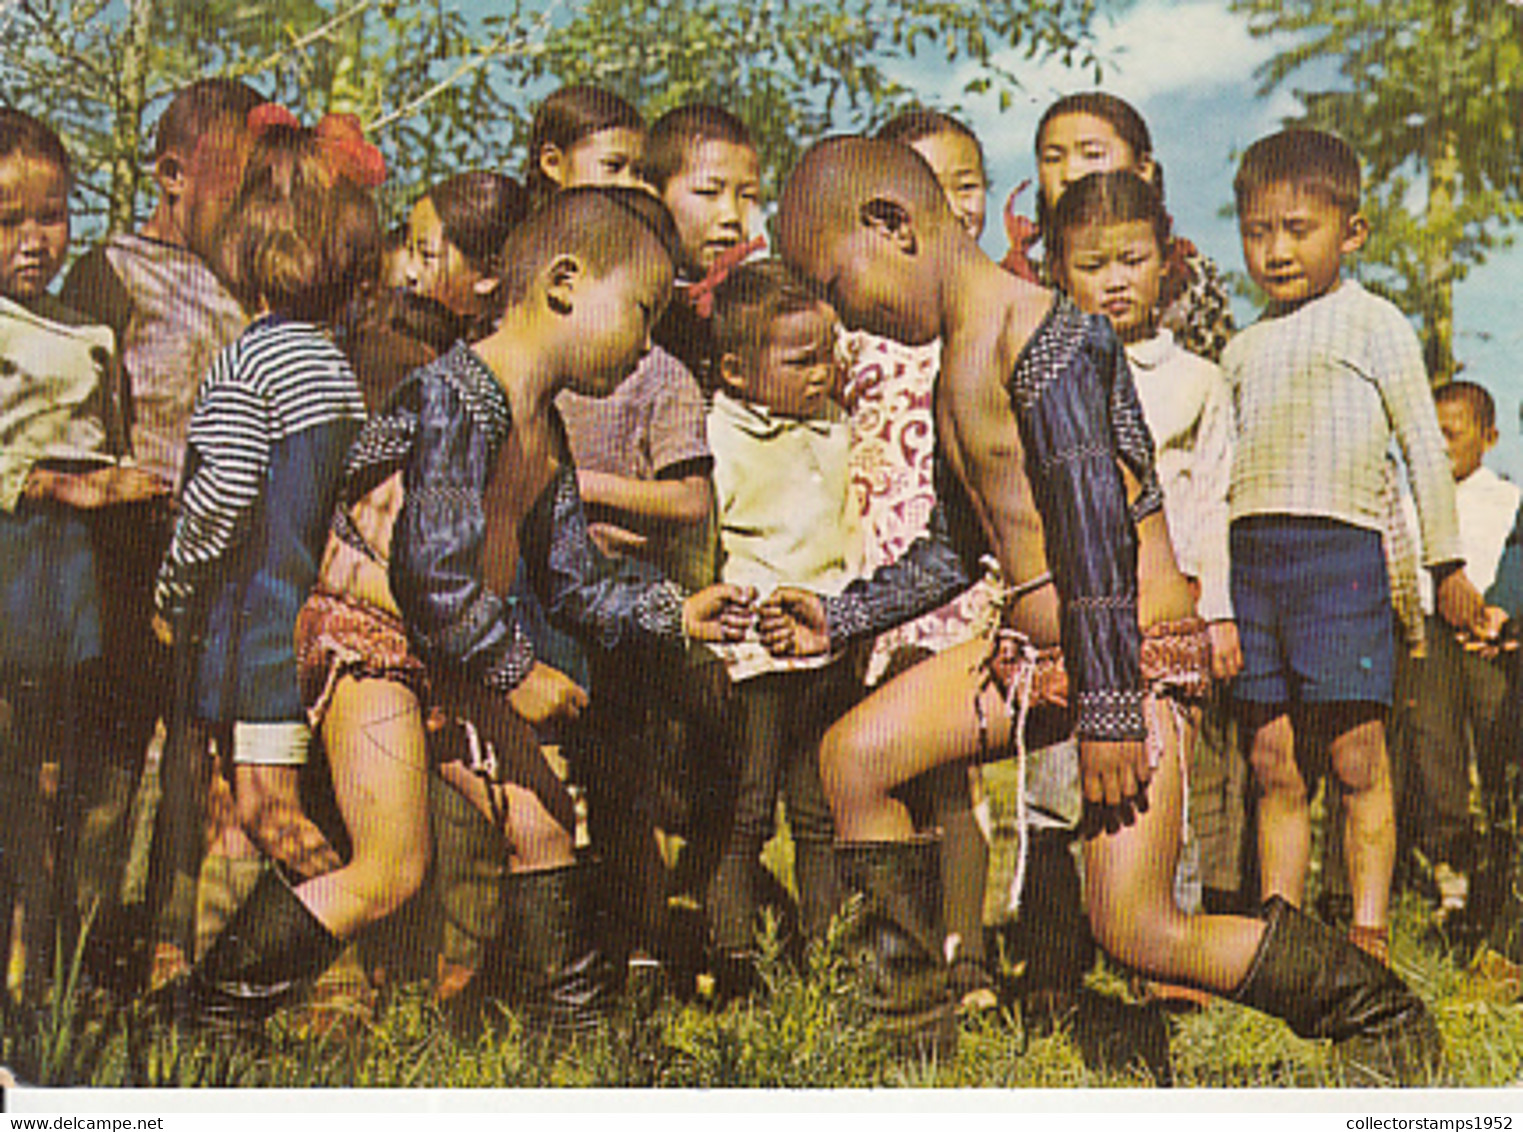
[
  {"x": 719, "y": 613},
  {"x": 104, "y": 487},
  {"x": 162, "y": 631},
  {"x": 547, "y": 694},
  {"x": 791, "y": 622},
  {"x": 1226, "y": 649},
  {"x": 1113, "y": 772},
  {"x": 616, "y": 541},
  {"x": 1461, "y": 604},
  {"x": 1490, "y": 642}
]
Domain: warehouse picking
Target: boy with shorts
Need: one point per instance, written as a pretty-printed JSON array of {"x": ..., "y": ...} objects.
[
  {"x": 1049, "y": 464},
  {"x": 1320, "y": 384}
]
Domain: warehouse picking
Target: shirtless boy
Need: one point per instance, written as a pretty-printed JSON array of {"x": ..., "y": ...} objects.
[{"x": 1050, "y": 468}]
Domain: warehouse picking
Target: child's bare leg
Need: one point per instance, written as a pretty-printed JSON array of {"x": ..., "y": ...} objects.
[
  {"x": 374, "y": 736},
  {"x": 1363, "y": 768},
  {"x": 921, "y": 719},
  {"x": 1130, "y": 894},
  {"x": 269, "y": 810},
  {"x": 1284, "y": 810},
  {"x": 535, "y": 839}
]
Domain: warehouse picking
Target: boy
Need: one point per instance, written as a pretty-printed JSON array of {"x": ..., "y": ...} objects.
[
  {"x": 702, "y": 163},
  {"x": 1050, "y": 465},
  {"x": 172, "y": 316},
  {"x": 462, "y": 480},
  {"x": 1463, "y": 691},
  {"x": 1319, "y": 384},
  {"x": 786, "y": 515}
]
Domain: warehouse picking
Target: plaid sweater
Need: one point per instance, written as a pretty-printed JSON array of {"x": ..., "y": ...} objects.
[{"x": 1318, "y": 394}]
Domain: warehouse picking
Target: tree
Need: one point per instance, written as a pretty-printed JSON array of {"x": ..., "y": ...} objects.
[
  {"x": 446, "y": 88},
  {"x": 1430, "y": 92}
]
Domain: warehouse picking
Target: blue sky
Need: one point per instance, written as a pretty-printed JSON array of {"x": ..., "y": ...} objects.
[{"x": 1188, "y": 66}]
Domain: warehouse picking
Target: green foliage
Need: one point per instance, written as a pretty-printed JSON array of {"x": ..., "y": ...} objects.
[
  {"x": 446, "y": 87},
  {"x": 1431, "y": 94}
]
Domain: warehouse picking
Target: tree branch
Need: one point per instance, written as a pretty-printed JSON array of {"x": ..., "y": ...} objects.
[
  {"x": 300, "y": 43},
  {"x": 500, "y": 46}
]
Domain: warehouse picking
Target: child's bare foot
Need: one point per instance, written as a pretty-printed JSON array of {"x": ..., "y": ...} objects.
[{"x": 1372, "y": 941}]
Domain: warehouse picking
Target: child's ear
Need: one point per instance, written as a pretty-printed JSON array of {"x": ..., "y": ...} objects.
[
  {"x": 551, "y": 161},
  {"x": 891, "y": 221},
  {"x": 169, "y": 172},
  {"x": 1355, "y": 233},
  {"x": 731, "y": 373},
  {"x": 561, "y": 279}
]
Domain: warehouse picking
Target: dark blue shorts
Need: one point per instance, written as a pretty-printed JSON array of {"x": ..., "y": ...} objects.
[{"x": 1313, "y": 605}]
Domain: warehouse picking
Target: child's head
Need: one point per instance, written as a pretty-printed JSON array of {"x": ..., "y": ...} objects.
[
  {"x": 1090, "y": 132},
  {"x": 595, "y": 266},
  {"x": 702, "y": 162},
  {"x": 954, "y": 154},
  {"x": 34, "y": 205},
  {"x": 455, "y": 236},
  {"x": 1298, "y": 213},
  {"x": 866, "y": 220},
  {"x": 1467, "y": 417},
  {"x": 199, "y": 149},
  {"x": 1108, "y": 237},
  {"x": 583, "y": 135},
  {"x": 775, "y": 340},
  {"x": 300, "y": 238}
]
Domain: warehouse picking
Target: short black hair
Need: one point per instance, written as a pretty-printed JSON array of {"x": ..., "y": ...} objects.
[
  {"x": 565, "y": 118},
  {"x": 750, "y": 299},
  {"x": 599, "y": 224},
  {"x": 199, "y": 108},
  {"x": 1482, "y": 407},
  {"x": 677, "y": 131},
  {"x": 31, "y": 137},
  {"x": 1116, "y": 196},
  {"x": 1312, "y": 160},
  {"x": 910, "y": 126},
  {"x": 477, "y": 211}
]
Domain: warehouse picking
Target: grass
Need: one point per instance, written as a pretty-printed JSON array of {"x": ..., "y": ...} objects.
[{"x": 807, "y": 1034}]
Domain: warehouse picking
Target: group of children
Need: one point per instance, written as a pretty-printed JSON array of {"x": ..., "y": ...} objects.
[{"x": 572, "y": 464}]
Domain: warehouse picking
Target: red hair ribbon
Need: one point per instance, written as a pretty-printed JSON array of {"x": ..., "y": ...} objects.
[
  {"x": 340, "y": 137},
  {"x": 349, "y": 154},
  {"x": 701, "y": 294},
  {"x": 1022, "y": 233}
]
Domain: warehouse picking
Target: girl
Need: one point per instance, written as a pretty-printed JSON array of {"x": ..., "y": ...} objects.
[
  {"x": 273, "y": 419},
  {"x": 583, "y": 135},
  {"x": 1109, "y": 233},
  {"x": 1093, "y": 132},
  {"x": 63, "y": 467}
]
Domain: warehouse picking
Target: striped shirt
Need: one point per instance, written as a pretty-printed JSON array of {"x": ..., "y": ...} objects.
[
  {"x": 1318, "y": 394},
  {"x": 279, "y": 379}
]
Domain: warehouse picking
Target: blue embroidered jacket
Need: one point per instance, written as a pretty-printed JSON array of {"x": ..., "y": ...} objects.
[
  {"x": 1078, "y": 413},
  {"x": 443, "y": 429}
]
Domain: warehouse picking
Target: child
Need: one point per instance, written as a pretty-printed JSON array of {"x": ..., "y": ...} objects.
[
  {"x": 276, "y": 412},
  {"x": 461, "y": 480},
  {"x": 583, "y": 135},
  {"x": 1092, "y": 132},
  {"x": 1107, "y": 241},
  {"x": 643, "y": 468},
  {"x": 786, "y": 516},
  {"x": 61, "y": 465},
  {"x": 889, "y": 393},
  {"x": 1319, "y": 384},
  {"x": 1047, "y": 444},
  {"x": 1463, "y": 692},
  {"x": 702, "y": 163},
  {"x": 157, "y": 288}
]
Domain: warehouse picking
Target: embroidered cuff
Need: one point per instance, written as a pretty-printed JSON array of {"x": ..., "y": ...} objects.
[
  {"x": 658, "y": 611},
  {"x": 847, "y": 618},
  {"x": 1111, "y": 716},
  {"x": 516, "y": 661}
]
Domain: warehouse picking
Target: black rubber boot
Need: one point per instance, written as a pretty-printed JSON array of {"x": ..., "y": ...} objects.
[
  {"x": 557, "y": 976},
  {"x": 269, "y": 950},
  {"x": 1325, "y": 987},
  {"x": 895, "y": 939}
]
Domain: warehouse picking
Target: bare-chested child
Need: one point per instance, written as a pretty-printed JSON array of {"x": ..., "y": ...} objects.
[
  {"x": 1050, "y": 466},
  {"x": 465, "y": 476}
]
